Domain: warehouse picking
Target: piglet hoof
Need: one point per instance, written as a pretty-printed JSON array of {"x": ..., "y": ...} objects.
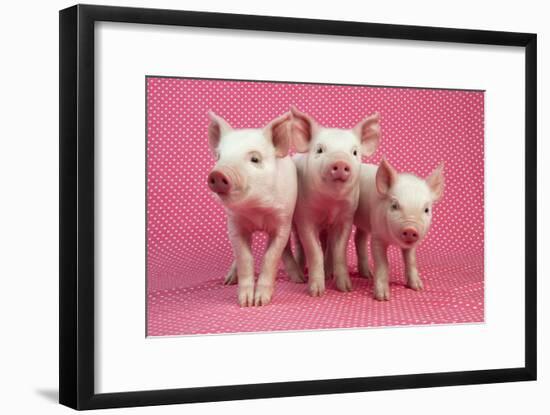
[
  {"x": 296, "y": 276},
  {"x": 231, "y": 277},
  {"x": 364, "y": 272},
  {"x": 263, "y": 294},
  {"x": 317, "y": 288},
  {"x": 382, "y": 292},
  {"x": 344, "y": 284},
  {"x": 246, "y": 295},
  {"x": 415, "y": 284}
]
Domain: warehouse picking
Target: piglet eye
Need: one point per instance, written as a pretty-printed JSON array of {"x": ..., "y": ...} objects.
[
  {"x": 255, "y": 159},
  {"x": 427, "y": 210},
  {"x": 394, "y": 206},
  {"x": 319, "y": 150},
  {"x": 354, "y": 152}
]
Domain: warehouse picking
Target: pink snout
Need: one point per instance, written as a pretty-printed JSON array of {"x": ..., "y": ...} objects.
[
  {"x": 219, "y": 182},
  {"x": 409, "y": 235},
  {"x": 340, "y": 170}
]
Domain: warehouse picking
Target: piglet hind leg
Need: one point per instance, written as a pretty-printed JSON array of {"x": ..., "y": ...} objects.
[
  {"x": 327, "y": 254},
  {"x": 361, "y": 238},
  {"x": 300, "y": 255},
  {"x": 411, "y": 271},
  {"x": 231, "y": 277},
  {"x": 381, "y": 271},
  {"x": 291, "y": 266},
  {"x": 266, "y": 281},
  {"x": 338, "y": 243}
]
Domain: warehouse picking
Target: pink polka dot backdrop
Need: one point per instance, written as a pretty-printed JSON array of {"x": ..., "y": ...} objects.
[{"x": 188, "y": 252}]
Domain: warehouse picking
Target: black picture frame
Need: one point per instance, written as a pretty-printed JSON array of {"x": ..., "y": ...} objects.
[{"x": 76, "y": 279}]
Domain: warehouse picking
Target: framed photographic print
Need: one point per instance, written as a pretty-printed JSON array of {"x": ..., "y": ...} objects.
[{"x": 335, "y": 196}]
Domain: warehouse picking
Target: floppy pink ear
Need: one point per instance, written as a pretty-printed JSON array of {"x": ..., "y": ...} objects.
[
  {"x": 279, "y": 132},
  {"x": 436, "y": 182},
  {"x": 302, "y": 129},
  {"x": 216, "y": 127},
  {"x": 386, "y": 176},
  {"x": 368, "y": 132}
]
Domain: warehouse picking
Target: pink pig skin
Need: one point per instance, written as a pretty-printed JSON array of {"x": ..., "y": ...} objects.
[
  {"x": 395, "y": 209},
  {"x": 255, "y": 180},
  {"x": 328, "y": 193}
]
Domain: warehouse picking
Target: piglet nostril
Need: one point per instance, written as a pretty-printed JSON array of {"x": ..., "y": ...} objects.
[
  {"x": 409, "y": 235},
  {"x": 340, "y": 170},
  {"x": 219, "y": 182}
]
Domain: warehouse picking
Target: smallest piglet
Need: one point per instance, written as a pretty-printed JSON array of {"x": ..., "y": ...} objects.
[{"x": 396, "y": 209}]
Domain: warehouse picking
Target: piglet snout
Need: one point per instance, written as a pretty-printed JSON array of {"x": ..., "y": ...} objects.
[
  {"x": 340, "y": 170},
  {"x": 219, "y": 181},
  {"x": 409, "y": 235}
]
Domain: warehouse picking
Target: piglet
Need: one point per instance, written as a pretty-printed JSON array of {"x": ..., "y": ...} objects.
[
  {"x": 328, "y": 193},
  {"x": 395, "y": 209},
  {"x": 255, "y": 180}
]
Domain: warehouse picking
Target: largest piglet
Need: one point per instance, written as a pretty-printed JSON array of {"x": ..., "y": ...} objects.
[
  {"x": 255, "y": 180},
  {"x": 328, "y": 183}
]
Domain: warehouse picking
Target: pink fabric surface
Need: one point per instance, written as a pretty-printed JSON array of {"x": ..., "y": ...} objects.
[{"x": 188, "y": 252}]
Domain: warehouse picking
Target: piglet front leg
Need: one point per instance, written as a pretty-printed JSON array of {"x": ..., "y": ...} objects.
[
  {"x": 411, "y": 271},
  {"x": 381, "y": 270},
  {"x": 244, "y": 260},
  {"x": 274, "y": 251},
  {"x": 338, "y": 242},
  {"x": 309, "y": 236}
]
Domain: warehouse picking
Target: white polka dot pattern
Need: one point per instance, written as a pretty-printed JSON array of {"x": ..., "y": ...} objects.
[{"x": 188, "y": 252}]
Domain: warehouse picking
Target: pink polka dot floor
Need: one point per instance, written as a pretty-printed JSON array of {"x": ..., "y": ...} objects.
[{"x": 188, "y": 249}]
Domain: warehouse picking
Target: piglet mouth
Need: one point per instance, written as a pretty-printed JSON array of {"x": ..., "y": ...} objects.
[
  {"x": 332, "y": 179},
  {"x": 234, "y": 193}
]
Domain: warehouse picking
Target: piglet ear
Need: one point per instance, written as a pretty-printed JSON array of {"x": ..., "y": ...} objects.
[
  {"x": 386, "y": 176},
  {"x": 368, "y": 132},
  {"x": 436, "y": 182},
  {"x": 216, "y": 128},
  {"x": 279, "y": 132},
  {"x": 302, "y": 129}
]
